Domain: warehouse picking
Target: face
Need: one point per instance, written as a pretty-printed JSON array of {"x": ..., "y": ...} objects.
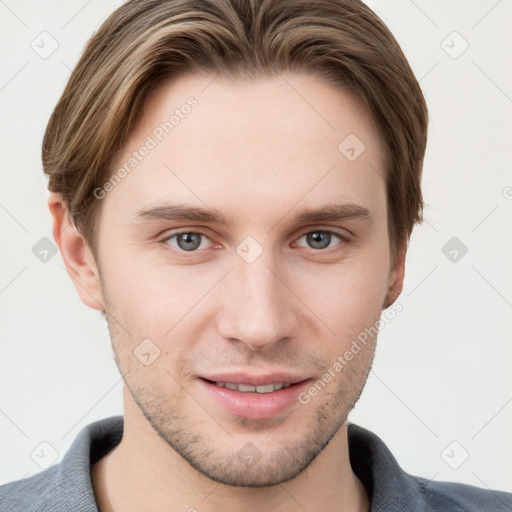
[{"x": 223, "y": 321}]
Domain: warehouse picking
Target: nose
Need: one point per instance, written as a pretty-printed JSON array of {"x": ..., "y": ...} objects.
[{"x": 257, "y": 307}]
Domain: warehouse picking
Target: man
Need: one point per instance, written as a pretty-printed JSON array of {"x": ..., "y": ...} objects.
[{"x": 234, "y": 185}]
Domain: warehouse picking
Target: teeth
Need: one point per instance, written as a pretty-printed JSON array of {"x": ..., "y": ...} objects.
[
  {"x": 246, "y": 388},
  {"x": 267, "y": 388}
]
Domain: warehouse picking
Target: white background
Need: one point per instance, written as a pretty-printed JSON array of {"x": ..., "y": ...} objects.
[{"x": 443, "y": 365}]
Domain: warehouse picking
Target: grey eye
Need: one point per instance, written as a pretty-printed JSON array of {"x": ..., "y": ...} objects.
[
  {"x": 320, "y": 239},
  {"x": 187, "y": 241}
]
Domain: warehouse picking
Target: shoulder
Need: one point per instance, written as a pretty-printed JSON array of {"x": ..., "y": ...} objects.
[
  {"x": 66, "y": 485},
  {"x": 393, "y": 489},
  {"x": 461, "y": 497},
  {"x": 39, "y": 492}
]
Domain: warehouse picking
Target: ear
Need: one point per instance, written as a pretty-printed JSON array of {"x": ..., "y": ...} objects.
[
  {"x": 77, "y": 256},
  {"x": 396, "y": 276}
]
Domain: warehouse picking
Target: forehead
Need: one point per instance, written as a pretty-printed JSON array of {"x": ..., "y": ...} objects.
[{"x": 292, "y": 139}]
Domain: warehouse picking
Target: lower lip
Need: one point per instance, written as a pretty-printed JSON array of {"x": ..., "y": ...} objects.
[{"x": 255, "y": 406}]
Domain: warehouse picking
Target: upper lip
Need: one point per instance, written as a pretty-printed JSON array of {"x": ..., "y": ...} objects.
[{"x": 261, "y": 379}]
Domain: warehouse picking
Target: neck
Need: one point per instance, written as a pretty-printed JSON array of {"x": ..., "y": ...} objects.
[{"x": 144, "y": 469}]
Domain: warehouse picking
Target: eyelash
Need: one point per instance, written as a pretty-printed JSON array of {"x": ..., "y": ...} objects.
[{"x": 345, "y": 240}]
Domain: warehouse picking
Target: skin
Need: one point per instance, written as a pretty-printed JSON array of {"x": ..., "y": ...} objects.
[{"x": 296, "y": 307}]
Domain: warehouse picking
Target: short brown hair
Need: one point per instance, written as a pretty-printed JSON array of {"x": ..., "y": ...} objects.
[{"x": 146, "y": 42}]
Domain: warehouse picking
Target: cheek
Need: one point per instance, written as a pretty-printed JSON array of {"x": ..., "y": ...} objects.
[
  {"x": 154, "y": 299},
  {"x": 350, "y": 296}
]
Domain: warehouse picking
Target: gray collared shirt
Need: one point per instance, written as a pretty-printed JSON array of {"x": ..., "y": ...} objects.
[{"x": 67, "y": 487}]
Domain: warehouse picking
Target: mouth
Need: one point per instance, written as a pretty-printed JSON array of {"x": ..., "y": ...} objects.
[
  {"x": 247, "y": 388},
  {"x": 257, "y": 398}
]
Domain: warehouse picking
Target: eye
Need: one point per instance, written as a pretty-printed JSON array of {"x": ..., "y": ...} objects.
[
  {"x": 321, "y": 239},
  {"x": 187, "y": 241}
]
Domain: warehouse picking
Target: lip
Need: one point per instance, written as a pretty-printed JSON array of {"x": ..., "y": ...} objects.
[{"x": 253, "y": 405}]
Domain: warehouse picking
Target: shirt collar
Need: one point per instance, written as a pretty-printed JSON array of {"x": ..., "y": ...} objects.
[{"x": 388, "y": 486}]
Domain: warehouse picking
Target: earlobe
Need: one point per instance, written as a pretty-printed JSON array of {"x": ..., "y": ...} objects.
[
  {"x": 396, "y": 277},
  {"x": 77, "y": 255}
]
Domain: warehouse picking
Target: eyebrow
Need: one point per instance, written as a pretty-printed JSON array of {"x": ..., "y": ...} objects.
[{"x": 189, "y": 213}]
